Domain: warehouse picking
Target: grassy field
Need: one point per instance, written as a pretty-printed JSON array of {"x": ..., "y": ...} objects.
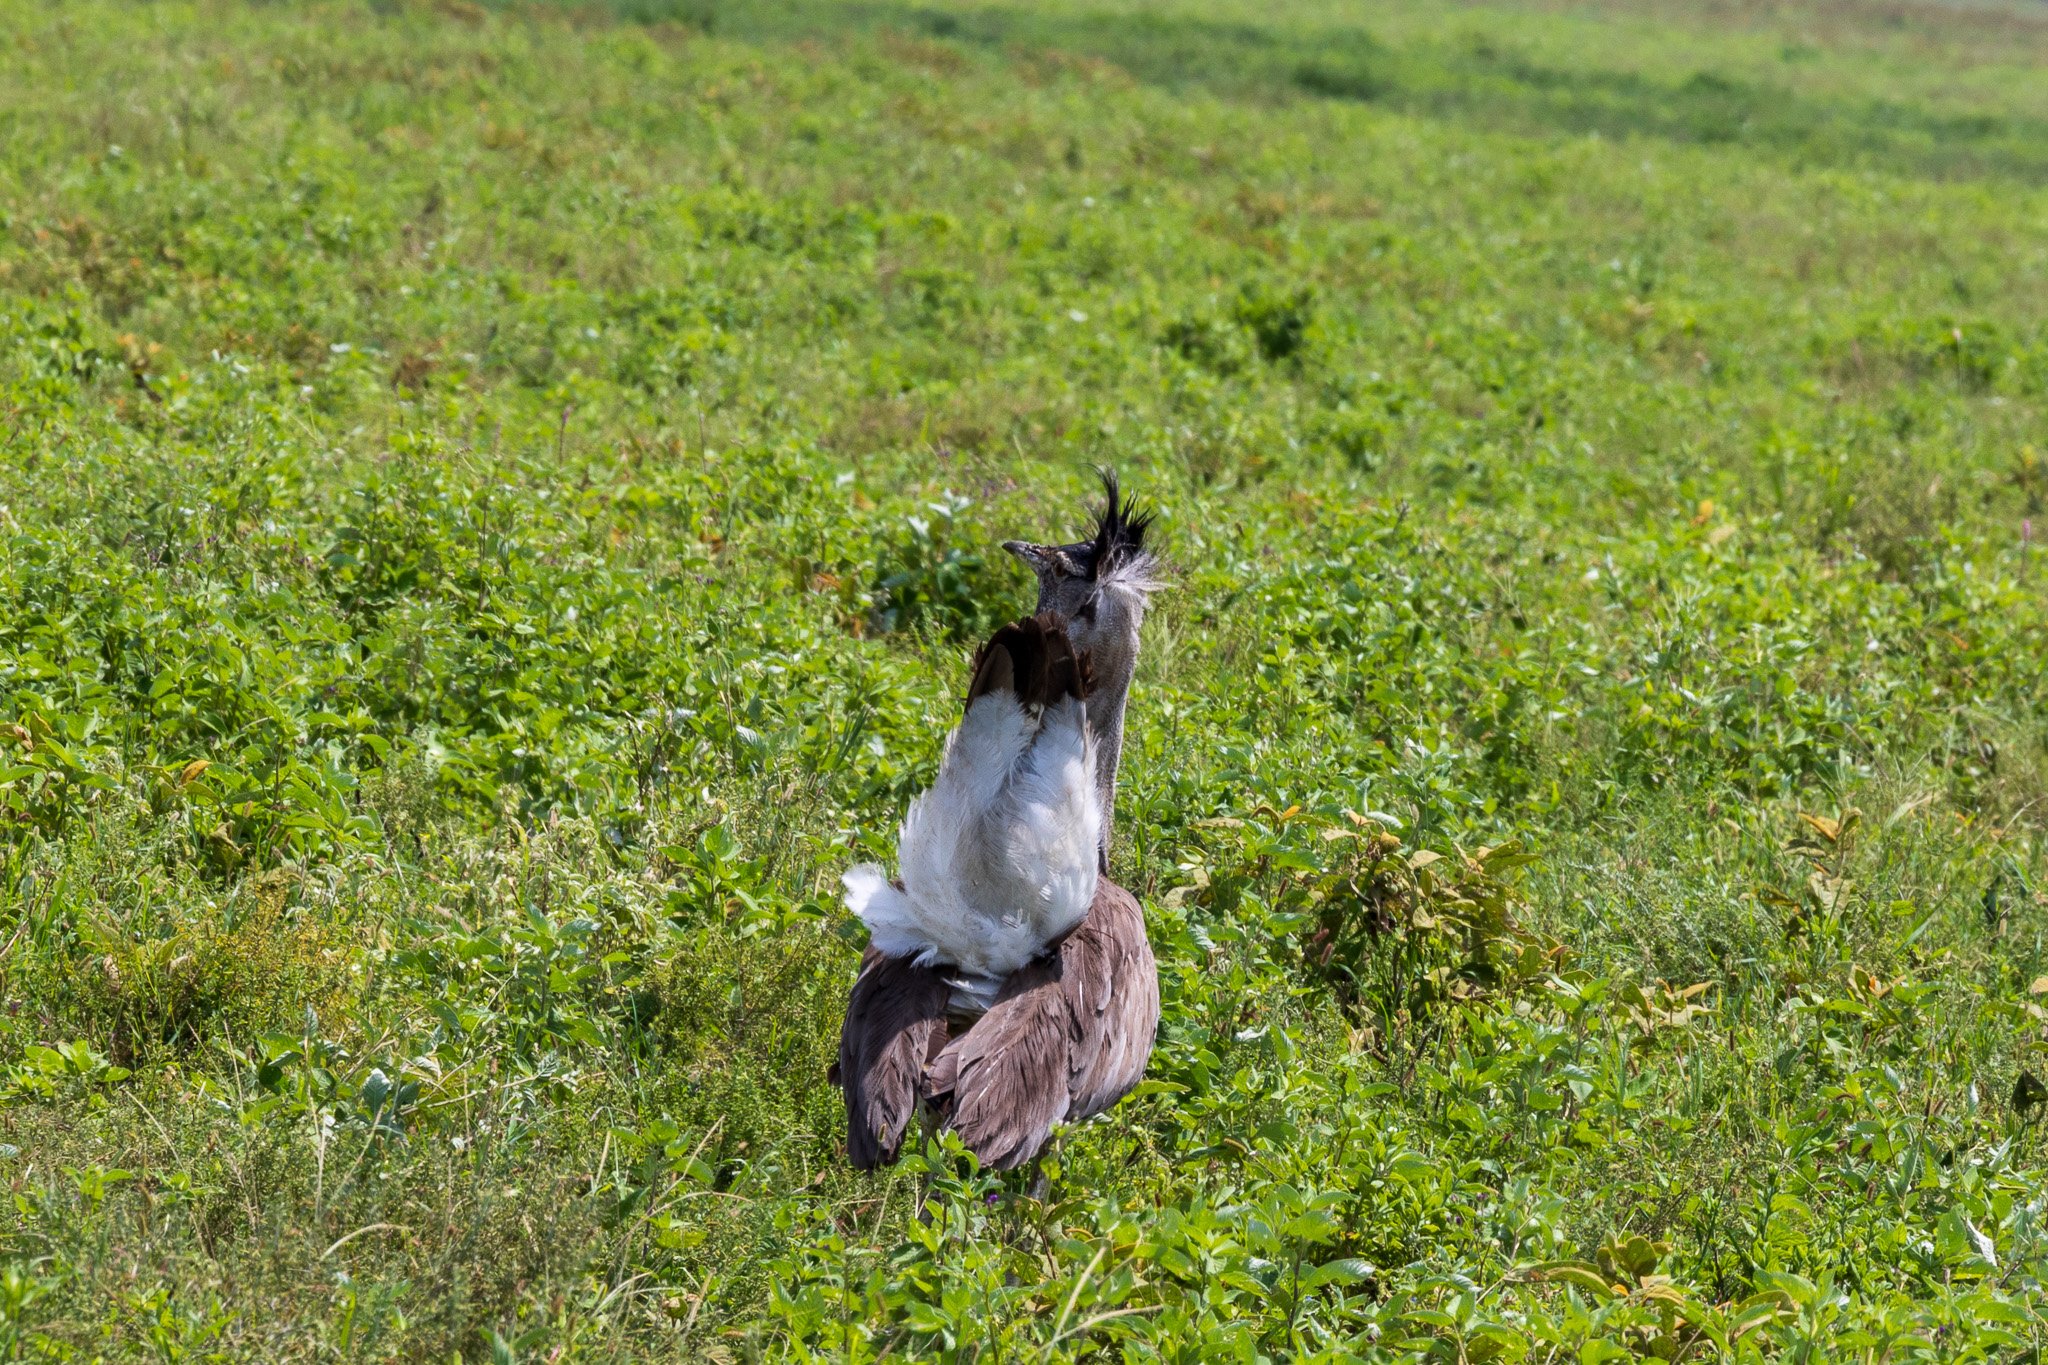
[{"x": 495, "y": 503}]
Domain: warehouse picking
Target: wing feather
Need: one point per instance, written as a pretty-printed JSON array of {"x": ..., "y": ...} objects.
[
  {"x": 1005, "y": 1079},
  {"x": 894, "y": 1018},
  {"x": 1065, "y": 1040},
  {"x": 1111, "y": 985}
]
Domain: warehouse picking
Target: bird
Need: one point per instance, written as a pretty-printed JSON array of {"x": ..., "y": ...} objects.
[{"x": 1008, "y": 985}]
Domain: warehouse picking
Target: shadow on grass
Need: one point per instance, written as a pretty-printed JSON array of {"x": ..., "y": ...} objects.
[{"x": 1470, "y": 80}]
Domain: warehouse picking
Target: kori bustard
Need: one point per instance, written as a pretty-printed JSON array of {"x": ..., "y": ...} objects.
[{"x": 1008, "y": 985}]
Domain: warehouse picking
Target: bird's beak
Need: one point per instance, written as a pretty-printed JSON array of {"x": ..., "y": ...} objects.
[{"x": 1034, "y": 555}]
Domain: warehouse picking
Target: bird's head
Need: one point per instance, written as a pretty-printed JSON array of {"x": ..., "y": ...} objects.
[{"x": 1100, "y": 585}]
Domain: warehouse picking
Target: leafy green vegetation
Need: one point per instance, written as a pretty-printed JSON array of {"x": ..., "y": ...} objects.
[{"x": 495, "y": 503}]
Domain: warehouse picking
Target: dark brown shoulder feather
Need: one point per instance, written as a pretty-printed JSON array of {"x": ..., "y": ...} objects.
[
  {"x": 895, "y": 1019},
  {"x": 1032, "y": 658}
]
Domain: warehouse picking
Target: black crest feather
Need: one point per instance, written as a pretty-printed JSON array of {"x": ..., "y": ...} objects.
[{"x": 1119, "y": 530}]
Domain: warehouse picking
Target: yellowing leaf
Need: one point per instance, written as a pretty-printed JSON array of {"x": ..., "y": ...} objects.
[
  {"x": 1830, "y": 830},
  {"x": 191, "y": 771}
]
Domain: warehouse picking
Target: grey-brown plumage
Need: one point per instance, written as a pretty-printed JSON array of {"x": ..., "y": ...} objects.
[
  {"x": 895, "y": 1022},
  {"x": 896, "y": 1019},
  {"x": 1065, "y": 1040},
  {"x": 1069, "y": 1033}
]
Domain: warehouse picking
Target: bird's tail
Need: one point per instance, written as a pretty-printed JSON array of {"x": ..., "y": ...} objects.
[
  {"x": 1000, "y": 853},
  {"x": 894, "y": 925}
]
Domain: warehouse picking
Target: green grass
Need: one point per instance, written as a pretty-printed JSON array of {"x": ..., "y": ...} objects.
[{"x": 495, "y": 504}]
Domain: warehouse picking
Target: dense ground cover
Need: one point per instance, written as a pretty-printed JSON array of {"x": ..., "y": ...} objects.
[{"x": 494, "y": 505}]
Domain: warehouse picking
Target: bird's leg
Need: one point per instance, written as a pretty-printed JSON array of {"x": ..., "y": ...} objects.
[
  {"x": 928, "y": 1128},
  {"x": 1040, "y": 1181},
  {"x": 1020, "y": 1225}
]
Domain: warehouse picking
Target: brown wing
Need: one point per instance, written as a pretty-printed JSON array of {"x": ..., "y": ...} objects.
[
  {"x": 894, "y": 1018},
  {"x": 1065, "y": 1039},
  {"x": 1003, "y": 1083},
  {"x": 1111, "y": 985},
  {"x": 1032, "y": 658}
]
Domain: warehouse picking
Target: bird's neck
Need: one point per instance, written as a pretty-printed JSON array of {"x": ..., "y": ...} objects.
[{"x": 1106, "y": 719}]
